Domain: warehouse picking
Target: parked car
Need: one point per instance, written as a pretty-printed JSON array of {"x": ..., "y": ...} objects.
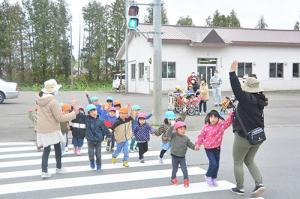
[
  {"x": 8, "y": 90},
  {"x": 117, "y": 82}
]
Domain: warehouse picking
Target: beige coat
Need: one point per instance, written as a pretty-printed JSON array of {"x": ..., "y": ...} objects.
[
  {"x": 49, "y": 114},
  {"x": 204, "y": 92}
]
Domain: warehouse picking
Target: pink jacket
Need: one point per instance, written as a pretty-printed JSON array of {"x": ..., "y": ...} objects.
[{"x": 211, "y": 136}]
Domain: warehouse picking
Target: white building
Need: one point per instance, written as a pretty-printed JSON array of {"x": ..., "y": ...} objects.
[{"x": 273, "y": 55}]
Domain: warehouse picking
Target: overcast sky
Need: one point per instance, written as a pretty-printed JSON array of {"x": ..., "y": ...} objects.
[{"x": 279, "y": 14}]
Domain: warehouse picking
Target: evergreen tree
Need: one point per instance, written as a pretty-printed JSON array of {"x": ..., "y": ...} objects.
[
  {"x": 297, "y": 26},
  {"x": 262, "y": 23},
  {"x": 149, "y": 17},
  {"x": 185, "y": 21}
]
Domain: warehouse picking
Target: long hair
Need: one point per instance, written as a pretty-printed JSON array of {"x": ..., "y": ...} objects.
[{"x": 212, "y": 113}]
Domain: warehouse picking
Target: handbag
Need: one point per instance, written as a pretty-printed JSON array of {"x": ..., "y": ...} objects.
[{"x": 255, "y": 136}]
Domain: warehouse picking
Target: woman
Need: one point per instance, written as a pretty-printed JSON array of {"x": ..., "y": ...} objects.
[
  {"x": 204, "y": 95},
  {"x": 49, "y": 116},
  {"x": 250, "y": 111}
]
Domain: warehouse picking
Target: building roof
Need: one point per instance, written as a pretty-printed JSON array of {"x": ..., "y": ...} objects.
[{"x": 221, "y": 37}]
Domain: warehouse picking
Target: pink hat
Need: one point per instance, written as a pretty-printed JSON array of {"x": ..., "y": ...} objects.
[
  {"x": 179, "y": 124},
  {"x": 112, "y": 109},
  {"x": 80, "y": 108},
  {"x": 142, "y": 115}
]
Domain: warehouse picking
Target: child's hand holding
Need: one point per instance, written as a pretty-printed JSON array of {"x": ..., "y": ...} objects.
[{"x": 197, "y": 148}]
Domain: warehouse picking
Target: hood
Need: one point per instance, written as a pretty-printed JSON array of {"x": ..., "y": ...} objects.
[
  {"x": 262, "y": 100},
  {"x": 44, "y": 100}
]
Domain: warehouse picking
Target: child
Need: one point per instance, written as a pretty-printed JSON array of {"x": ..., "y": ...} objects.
[
  {"x": 170, "y": 119},
  {"x": 109, "y": 120},
  {"x": 211, "y": 137},
  {"x": 32, "y": 114},
  {"x": 95, "y": 132},
  {"x": 179, "y": 144},
  {"x": 204, "y": 97},
  {"x": 123, "y": 132},
  {"x": 142, "y": 135},
  {"x": 135, "y": 109},
  {"x": 117, "y": 106},
  {"x": 78, "y": 131},
  {"x": 100, "y": 110},
  {"x": 109, "y": 102},
  {"x": 64, "y": 126}
]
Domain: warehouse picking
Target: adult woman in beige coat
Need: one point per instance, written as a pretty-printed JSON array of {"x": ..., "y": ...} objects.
[
  {"x": 204, "y": 96},
  {"x": 49, "y": 116}
]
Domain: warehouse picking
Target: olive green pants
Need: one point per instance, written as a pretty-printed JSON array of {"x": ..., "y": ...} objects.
[{"x": 243, "y": 152}]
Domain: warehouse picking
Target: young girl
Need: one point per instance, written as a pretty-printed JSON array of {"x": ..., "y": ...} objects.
[
  {"x": 78, "y": 131},
  {"x": 142, "y": 135},
  {"x": 170, "y": 119},
  {"x": 204, "y": 96},
  {"x": 66, "y": 108},
  {"x": 179, "y": 144},
  {"x": 211, "y": 137}
]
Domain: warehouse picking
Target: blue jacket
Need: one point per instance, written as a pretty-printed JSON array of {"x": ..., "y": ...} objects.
[
  {"x": 135, "y": 121},
  {"x": 95, "y": 129},
  {"x": 142, "y": 133},
  {"x": 109, "y": 121}
]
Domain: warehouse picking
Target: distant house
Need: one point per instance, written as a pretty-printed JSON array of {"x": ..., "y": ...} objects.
[{"x": 273, "y": 55}]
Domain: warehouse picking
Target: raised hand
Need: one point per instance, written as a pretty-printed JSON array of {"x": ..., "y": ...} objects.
[{"x": 234, "y": 66}]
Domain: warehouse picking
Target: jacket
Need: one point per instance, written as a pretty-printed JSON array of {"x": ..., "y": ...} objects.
[
  {"x": 179, "y": 143},
  {"x": 122, "y": 129},
  {"x": 49, "y": 114},
  {"x": 78, "y": 126},
  {"x": 250, "y": 107},
  {"x": 95, "y": 129},
  {"x": 135, "y": 121},
  {"x": 109, "y": 121},
  {"x": 142, "y": 132},
  {"x": 204, "y": 92},
  {"x": 64, "y": 127},
  {"x": 211, "y": 136},
  {"x": 215, "y": 82}
]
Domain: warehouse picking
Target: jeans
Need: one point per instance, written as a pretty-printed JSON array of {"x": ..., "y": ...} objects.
[
  {"x": 111, "y": 141},
  {"x": 94, "y": 149},
  {"x": 77, "y": 142},
  {"x": 143, "y": 148},
  {"x": 162, "y": 153},
  {"x": 122, "y": 146},
  {"x": 176, "y": 161},
  {"x": 243, "y": 152},
  {"x": 217, "y": 95},
  {"x": 204, "y": 104},
  {"x": 213, "y": 156},
  {"x": 45, "y": 157},
  {"x": 132, "y": 143}
]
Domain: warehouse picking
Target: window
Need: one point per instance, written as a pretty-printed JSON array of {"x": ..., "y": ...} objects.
[
  {"x": 276, "y": 70},
  {"x": 296, "y": 67},
  {"x": 168, "y": 69},
  {"x": 141, "y": 70},
  {"x": 244, "y": 69},
  {"x": 132, "y": 71}
]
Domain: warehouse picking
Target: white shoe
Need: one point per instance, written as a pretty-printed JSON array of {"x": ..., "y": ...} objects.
[
  {"x": 46, "y": 175},
  {"x": 131, "y": 151},
  {"x": 161, "y": 160},
  {"x": 66, "y": 149},
  {"x": 61, "y": 170}
]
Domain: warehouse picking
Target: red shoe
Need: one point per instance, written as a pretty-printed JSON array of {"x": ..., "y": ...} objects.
[
  {"x": 174, "y": 181},
  {"x": 186, "y": 183}
]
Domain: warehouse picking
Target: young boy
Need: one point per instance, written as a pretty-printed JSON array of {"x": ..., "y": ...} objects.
[
  {"x": 123, "y": 132},
  {"x": 109, "y": 120},
  {"x": 95, "y": 132},
  {"x": 117, "y": 105},
  {"x": 64, "y": 126},
  {"x": 78, "y": 131}
]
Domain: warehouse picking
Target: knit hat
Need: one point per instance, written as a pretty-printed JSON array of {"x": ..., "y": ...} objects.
[
  {"x": 178, "y": 125},
  {"x": 51, "y": 86},
  {"x": 142, "y": 115},
  {"x": 66, "y": 107},
  {"x": 251, "y": 85},
  {"x": 124, "y": 110}
]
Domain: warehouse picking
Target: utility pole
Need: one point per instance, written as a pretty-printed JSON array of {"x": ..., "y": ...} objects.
[
  {"x": 157, "y": 78},
  {"x": 126, "y": 50},
  {"x": 79, "y": 41},
  {"x": 71, "y": 48}
]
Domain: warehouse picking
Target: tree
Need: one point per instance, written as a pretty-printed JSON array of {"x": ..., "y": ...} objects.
[
  {"x": 149, "y": 17},
  {"x": 233, "y": 19},
  {"x": 262, "y": 23},
  {"x": 221, "y": 20},
  {"x": 297, "y": 26},
  {"x": 185, "y": 21}
]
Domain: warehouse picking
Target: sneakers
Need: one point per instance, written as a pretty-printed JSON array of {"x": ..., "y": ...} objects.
[
  {"x": 258, "y": 190},
  {"x": 61, "y": 170},
  {"x": 92, "y": 165},
  {"x": 75, "y": 150},
  {"x": 66, "y": 149},
  {"x": 131, "y": 151},
  {"x": 238, "y": 191},
  {"x": 113, "y": 160},
  {"x": 186, "y": 183},
  {"x": 98, "y": 167},
  {"x": 142, "y": 161},
  {"x": 214, "y": 182},
  {"x": 209, "y": 181},
  {"x": 46, "y": 175},
  {"x": 174, "y": 181},
  {"x": 161, "y": 160},
  {"x": 78, "y": 151},
  {"x": 125, "y": 164},
  {"x": 108, "y": 148}
]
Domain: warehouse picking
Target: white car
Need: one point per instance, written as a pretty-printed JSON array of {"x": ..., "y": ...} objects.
[
  {"x": 117, "y": 82},
  {"x": 8, "y": 90}
]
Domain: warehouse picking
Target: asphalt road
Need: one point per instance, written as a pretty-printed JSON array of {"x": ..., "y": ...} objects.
[{"x": 278, "y": 158}]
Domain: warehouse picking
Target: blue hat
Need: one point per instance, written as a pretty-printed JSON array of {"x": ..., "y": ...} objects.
[
  {"x": 170, "y": 115},
  {"x": 90, "y": 107},
  {"x": 136, "y": 108},
  {"x": 109, "y": 98},
  {"x": 93, "y": 99}
]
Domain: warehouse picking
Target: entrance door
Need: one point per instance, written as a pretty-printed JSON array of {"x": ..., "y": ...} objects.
[{"x": 206, "y": 72}]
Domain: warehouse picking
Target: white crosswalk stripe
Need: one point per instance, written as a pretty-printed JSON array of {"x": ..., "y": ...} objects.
[{"x": 20, "y": 176}]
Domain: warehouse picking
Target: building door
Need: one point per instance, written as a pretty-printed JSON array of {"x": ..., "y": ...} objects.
[{"x": 206, "y": 68}]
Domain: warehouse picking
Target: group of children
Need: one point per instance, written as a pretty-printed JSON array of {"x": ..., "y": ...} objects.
[{"x": 121, "y": 125}]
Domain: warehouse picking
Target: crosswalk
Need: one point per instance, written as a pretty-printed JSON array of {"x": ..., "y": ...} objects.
[{"x": 20, "y": 176}]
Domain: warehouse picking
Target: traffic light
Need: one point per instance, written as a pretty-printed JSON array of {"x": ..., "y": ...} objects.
[{"x": 133, "y": 20}]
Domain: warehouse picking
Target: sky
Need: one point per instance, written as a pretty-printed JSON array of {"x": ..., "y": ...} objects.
[{"x": 277, "y": 13}]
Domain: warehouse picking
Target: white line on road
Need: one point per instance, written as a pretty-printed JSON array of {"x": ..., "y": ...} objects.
[{"x": 90, "y": 180}]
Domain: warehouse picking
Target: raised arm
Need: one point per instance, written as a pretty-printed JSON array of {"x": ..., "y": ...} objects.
[
  {"x": 58, "y": 114},
  {"x": 228, "y": 121},
  {"x": 240, "y": 95}
]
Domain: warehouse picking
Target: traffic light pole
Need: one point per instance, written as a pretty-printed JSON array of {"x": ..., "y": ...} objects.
[
  {"x": 157, "y": 69},
  {"x": 126, "y": 50}
]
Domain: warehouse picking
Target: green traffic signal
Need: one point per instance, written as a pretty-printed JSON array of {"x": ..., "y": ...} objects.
[{"x": 133, "y": 23}]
